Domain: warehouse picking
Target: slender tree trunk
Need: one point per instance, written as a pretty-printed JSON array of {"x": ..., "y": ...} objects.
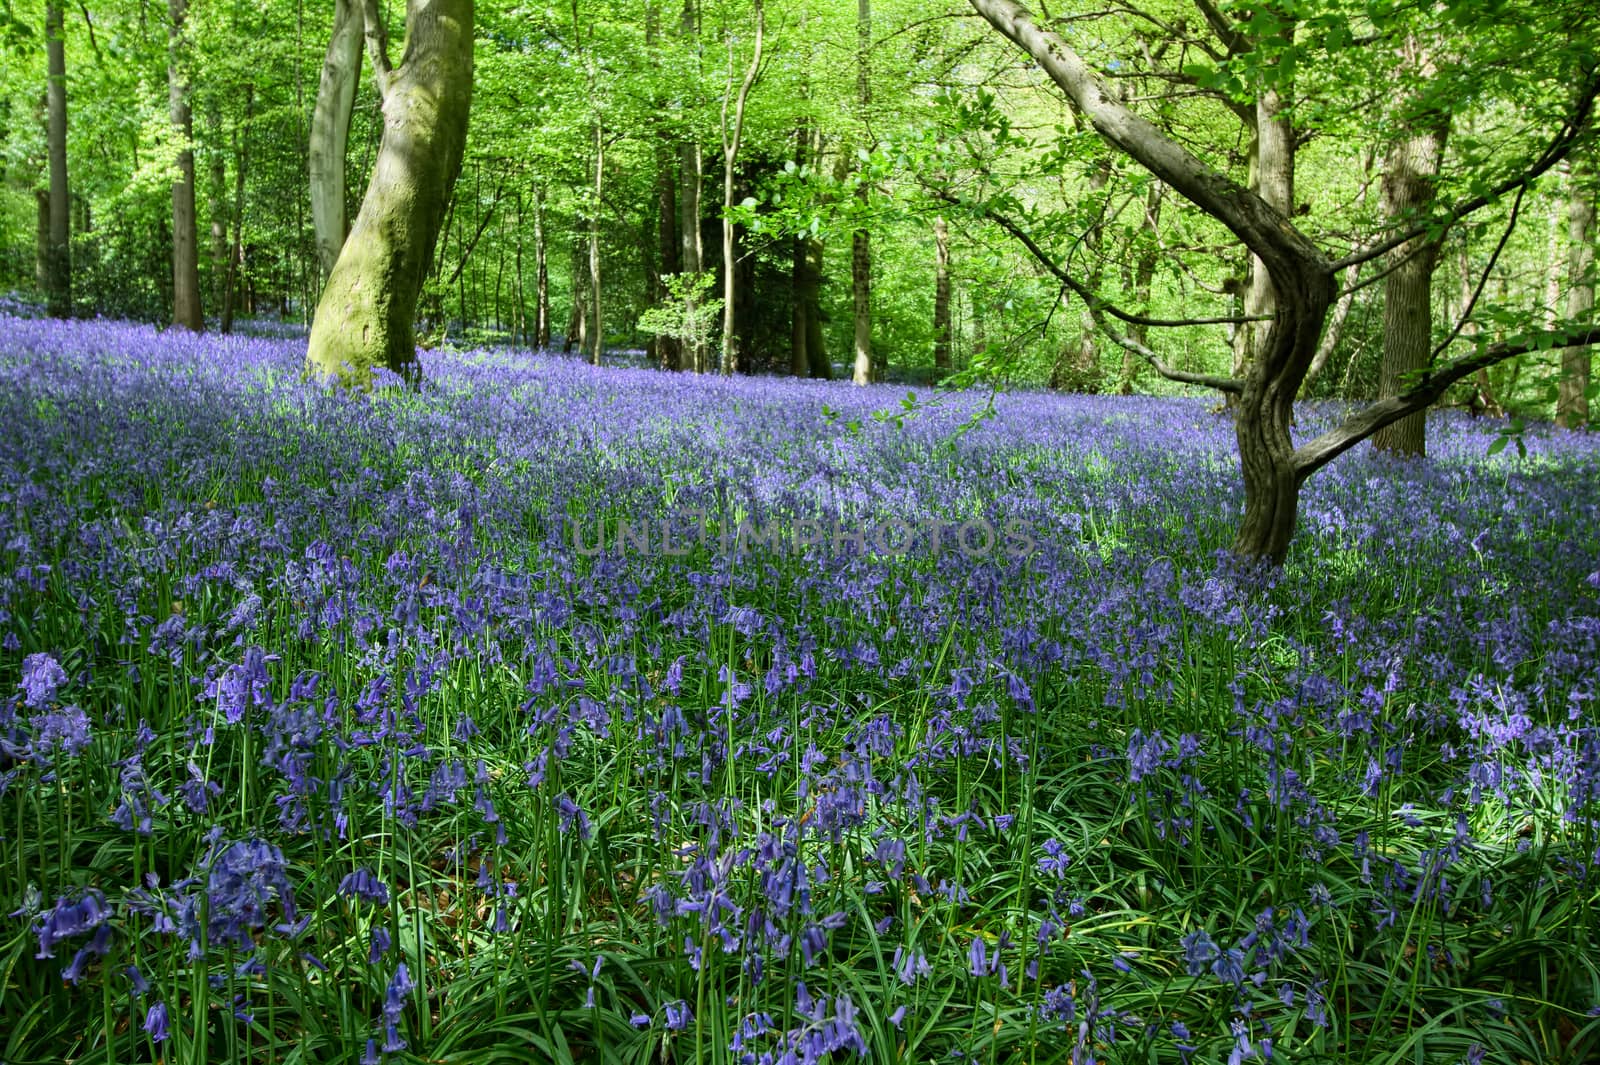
[
  {"x": 808, "y": 356},
  {"x": 861, "y": 239},
  {"x": 1572, "y": 394},
  {"x": 217, "y": 194},
  {"x": 241, "y": 153},
  {"x": 578, "y": 321},
  {"x": 541, "y": 274},
  {"x": 731, "y": 138},
  {"x": 185, "y": 235},
  {"x": 1341, "y": 309},
  {"x": 1410, "y": 169},
  {"x": 330, "y": 131},
  {"x": 1144, "y": 273},
  {"x": 366, "y": 316},
  {"x": 598, "y": 338},
  {"x": 41, "y": 239},
  {"x": 667, "y": 354},
  {"x": 941, "y": 297},
  {"x": 58, "y": 259},
  {"x": 690, "y": 177}
]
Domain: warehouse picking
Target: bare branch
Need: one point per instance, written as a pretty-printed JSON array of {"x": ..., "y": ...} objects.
[
  {"x": 1466, "y": 312},
  {"x": 1315, "y": 454}
]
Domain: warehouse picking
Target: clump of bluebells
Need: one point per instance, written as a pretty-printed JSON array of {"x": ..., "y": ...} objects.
[{"x": 494, "y": 714}]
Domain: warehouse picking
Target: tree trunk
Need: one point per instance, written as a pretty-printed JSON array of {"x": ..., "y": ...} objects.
[
  {"x": 330, "y": 131},
  {"x": 1572, "y": 394},
  {"x": 1410, "y": 169},
  {"x": 731, "y": 138},
  {"x": 941, "y": 297},
  {"x": 58, "y": 258},
  {"x": 185, "y": 236},
  {"x": 690, "y": 178},
  {"x": 217, "y": 195},
  {"x": 1144, "y": 273},
  {"x": 1271, "y": 178},
  {"x": 597, "y": 338},
  {"x": 366, "y": 315},
  {"x": 541, "y": 274},
  {"x": 861, "y": 239},
  {"x": 578, "y": 320},
  {"x": 241, "y": 152},
  {"x": 41, "y": 239}
]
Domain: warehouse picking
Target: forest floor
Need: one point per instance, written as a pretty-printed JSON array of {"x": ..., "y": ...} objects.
[{"x": 553, "y": 713}]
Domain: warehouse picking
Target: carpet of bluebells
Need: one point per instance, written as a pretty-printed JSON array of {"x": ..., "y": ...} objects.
[{"x": 343, "y": 729}]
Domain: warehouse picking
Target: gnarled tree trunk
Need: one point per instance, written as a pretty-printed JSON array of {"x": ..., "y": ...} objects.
[{"x": 366, "y": 315}]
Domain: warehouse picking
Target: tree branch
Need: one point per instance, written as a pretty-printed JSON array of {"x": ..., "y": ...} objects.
[
  {"x": 1317, "y": 453},
  {"x": 378, "y": 48}
]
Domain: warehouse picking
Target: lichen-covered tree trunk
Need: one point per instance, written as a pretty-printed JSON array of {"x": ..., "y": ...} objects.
[
  {"x": 1410, "y": 169},
  {"x": 330, "y": 131},
  {"x": 1572, "y": 393},
  {"x": 185, "y": 232},
  {"x": 366, "y": 315},
  {"x": 58, "y": 257}
]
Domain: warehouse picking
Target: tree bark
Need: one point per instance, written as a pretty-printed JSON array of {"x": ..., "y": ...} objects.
[
  {"x": 185, "y": 235},
  {"x": 330, "y": 131},
  {"x": 1572, "y": 393},
  {"x": 241, "y": 152},
  {"x": 1272, "y": 178},
  {"x": 690, "y": 178},
  {"x": 1410, "y": 171},
  {"x": 731, "y": 138},
  {"x": 861, "y": 239},
  {"x": 58, "y": 259},
  {"x": 597, "y": 338},
  {"x": 941, "y": 296},
  {"x": 541, "y": 275},
  {"x": 365, "y": 318},
  {"x": 217, "y": 194}
]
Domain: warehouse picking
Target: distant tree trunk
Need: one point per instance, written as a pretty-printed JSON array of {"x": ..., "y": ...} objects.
[
  {"x": 597, "y": 340},
  {"x": 1410, "y": 169},
  {"x": 330, "y": 131},
  {"x": 541, "y": 276},
  {"x": 58, "y": 258},
  {"x": 241, "y": 154},
  {"x": 217, "y": 195},
  {"x": 941, "y": 296},
  {"x": 1572, "y": 398},
  {"x": 41, "y": 239},
  {"x": 861, "y": 239},
  {"x": 663, "y": 349},
  {"x": 578, "y": 321},
  {"x": 185, "y": 235},
  {"x": 809, "y": 356},
  {"x": 1144, "y": 274},
  {"x": 365, "y": 318},
  {"x": 690, "y": 178},
  {"x": 1082, "y": 353},
  {"x": 731, "y": 138},
  {"x": 1341, "y": 310}
]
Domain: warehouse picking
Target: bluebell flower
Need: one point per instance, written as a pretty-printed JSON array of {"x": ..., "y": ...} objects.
[{"x": 42, "y": 677}]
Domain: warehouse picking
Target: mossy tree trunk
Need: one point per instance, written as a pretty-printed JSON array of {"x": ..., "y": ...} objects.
[{"x": 366, "y": 315}]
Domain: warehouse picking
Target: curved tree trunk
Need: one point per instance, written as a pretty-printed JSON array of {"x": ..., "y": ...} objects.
[
  {"x": 58, "y": 258},
  {"x": 1572, "y": 394},
  {"x": 330, "y": 131},
  {"x": 185, "y": 233},
  {"x": 366, "y": 314}
]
